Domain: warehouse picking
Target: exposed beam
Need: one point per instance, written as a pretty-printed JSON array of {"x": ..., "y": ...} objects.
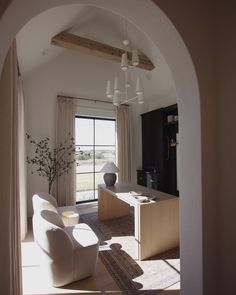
[{"x": 71, "y": 41}]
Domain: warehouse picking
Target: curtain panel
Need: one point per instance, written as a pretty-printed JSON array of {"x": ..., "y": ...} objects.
[
  {"x": 124, "y": 147},
  {"x": 65, "y": 129},
  {"x": 10, "y": 246}
]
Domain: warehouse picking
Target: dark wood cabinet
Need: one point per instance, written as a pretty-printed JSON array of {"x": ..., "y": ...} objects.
[
  {"x": 153, "y": 143},
  {"x": 148, "y": 178},
  {"x": 141, "y": 177},
  {"x": 152, "y": 180},
  {"x": 159, "y": 129},
  {"x": 170, "y": 132}
]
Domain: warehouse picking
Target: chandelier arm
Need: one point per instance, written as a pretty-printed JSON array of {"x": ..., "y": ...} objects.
[{"x": 130, "y": 99}]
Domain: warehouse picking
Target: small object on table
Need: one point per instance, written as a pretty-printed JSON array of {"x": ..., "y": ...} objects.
[
  {"x": 153, "y": 198},
  {"x": 70, "y": 217},
  {"x": 142, "y": 199},
  {"x": 134, "y": 194}
]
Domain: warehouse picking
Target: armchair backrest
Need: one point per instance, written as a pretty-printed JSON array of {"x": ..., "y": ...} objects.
[{"x": 44, "y": 201}]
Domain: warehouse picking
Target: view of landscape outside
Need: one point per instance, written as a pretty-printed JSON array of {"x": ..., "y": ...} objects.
[{"x": 95, "y": 146}]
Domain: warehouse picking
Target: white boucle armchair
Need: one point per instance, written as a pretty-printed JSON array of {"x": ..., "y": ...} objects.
[{"x": 69, "y": 253}]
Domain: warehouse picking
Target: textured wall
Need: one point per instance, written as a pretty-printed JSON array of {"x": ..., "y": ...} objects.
[
  {"x": 226, "y": 141},
  {"x": 208, "y": 30},
  {"x": 195, "y": 21}
]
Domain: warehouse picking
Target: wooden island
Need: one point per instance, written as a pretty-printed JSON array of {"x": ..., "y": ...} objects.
[{"x": 156, "y": 221}]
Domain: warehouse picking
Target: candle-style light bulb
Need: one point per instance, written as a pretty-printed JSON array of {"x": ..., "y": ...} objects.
[
  {"x": 140, "y": 98},
  {"x": 124, "y": 62},
  {"x": 116, "y": 99},
  {"x": 139, "y": 86},
  {"x": 127, "y": 79},
  {"x": 116, "y": 85},
  {"x": 135, "y": 58},
  {"x": 108, "y": 91}
]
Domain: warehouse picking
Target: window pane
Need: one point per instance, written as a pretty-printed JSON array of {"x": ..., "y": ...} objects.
[
  {"x": 83, "y": 131},
  {"x": 84, "y": 187},
  {"x": 89, "y": 133},
  {"x": 84, "y": 159},
  {"x": 104, "y": 132},
  {"x": 104, "y": 154}
]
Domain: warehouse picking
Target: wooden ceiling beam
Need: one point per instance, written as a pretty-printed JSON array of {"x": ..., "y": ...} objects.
[{"x": 84, "y": 45}]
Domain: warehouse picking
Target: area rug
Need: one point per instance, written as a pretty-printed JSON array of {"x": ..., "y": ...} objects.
[{"x": 117, "y": 252}]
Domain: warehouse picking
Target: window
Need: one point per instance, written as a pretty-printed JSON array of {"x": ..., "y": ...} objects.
[{"x": 95, "y": 146}]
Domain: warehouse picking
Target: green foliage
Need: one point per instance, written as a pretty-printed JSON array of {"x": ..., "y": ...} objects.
[
  {"x": 51, "y": 163},
  {"x": 99, "y": 155},
  {"x": 84, "y": 155}
]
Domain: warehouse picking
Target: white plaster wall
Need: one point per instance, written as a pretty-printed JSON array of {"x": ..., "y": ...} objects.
[{"x": 69, "y": 74}]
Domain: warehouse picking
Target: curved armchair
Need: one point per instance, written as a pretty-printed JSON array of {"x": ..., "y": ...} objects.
[{"x": 68, "y": 253}]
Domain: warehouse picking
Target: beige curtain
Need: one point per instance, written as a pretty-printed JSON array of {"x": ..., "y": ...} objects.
[
  {"x": 10, "y": 252},
  {"x": 65, "y": 185},
  {"x": 124, "y": 148},
  {"x": 22, "y": 160}
]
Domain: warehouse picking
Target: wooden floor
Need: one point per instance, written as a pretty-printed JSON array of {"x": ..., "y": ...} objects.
[{"x": 34, "y": 281}]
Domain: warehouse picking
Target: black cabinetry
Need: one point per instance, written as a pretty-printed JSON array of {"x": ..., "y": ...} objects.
[
  {"x": 152, "y": 180},
  {"x": 148, "y": 178},
  {"x": 159, "y": 142},
  {"x": 170, "y": 135},
  {"x": 141, "y": 177},
  {"x": 153, "y": 144}
]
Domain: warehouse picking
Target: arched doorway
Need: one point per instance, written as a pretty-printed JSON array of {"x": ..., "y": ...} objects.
[{"x": 181, "y": 67}]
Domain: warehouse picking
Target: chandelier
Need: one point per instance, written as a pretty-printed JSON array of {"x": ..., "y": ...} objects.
[{"x": 126, "y": 93}]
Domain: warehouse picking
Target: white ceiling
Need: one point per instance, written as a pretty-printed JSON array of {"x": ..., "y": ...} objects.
[{"x": 34, "y": 48}]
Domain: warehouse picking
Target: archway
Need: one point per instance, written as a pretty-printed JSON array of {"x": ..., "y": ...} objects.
[{"x": 178, "y": 59}]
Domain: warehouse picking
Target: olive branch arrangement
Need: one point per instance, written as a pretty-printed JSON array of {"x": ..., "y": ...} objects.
[{"x": 51, "y": 163}]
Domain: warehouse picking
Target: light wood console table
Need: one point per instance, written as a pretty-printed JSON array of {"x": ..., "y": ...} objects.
[{"x": 156, "y": 222}]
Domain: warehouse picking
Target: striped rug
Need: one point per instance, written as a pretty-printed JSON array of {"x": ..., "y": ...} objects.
[{"x": 117, "y": 253}]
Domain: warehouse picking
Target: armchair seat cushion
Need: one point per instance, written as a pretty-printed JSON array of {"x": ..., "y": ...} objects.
[
  {"x": 82, "y": 235},
  {"x": 85, "y": 243}
]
